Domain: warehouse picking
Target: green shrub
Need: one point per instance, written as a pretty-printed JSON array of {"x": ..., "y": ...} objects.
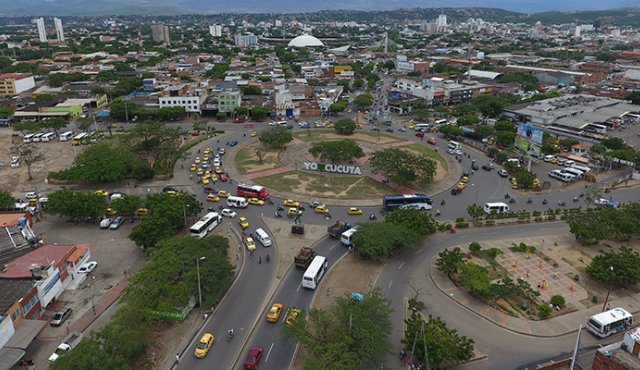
[
  {"x": 594, "y": 299},
  {"x": 494, "y": 252},
  {"x": 536, "y": 213},
  {"x": 489, "y": 222},
  {"x": 475, "y": 247},
  {"x": 462, "y": 225},
  {"x": 459, "y": 220},
  {"x": 544, "y": 310},
  {"x": 558, "y": 300}
]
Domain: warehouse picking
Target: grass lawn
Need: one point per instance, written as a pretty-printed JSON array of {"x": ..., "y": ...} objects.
[
  {"x": 247, "y": 161},
  {"x": 330, "y": 134},
  {"x": 351, "y": 187},
  {"x": 429, "y": 153}
]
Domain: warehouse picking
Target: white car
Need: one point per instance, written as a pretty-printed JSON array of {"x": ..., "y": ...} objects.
[
  {"x": 226, "y": 212},
  {"x": 601, "y": 202},
  {"x": 104, "y": 224},
  {"x": 15, "y": 162},
  {"x": 32, "y": 195},
  {"x": 87, "y": 267}
]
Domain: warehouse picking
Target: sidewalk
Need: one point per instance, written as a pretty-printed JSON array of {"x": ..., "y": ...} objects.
[{"x": 81, "y": 324}]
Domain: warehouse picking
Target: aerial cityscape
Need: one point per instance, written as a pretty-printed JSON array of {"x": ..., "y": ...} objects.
[{"x": 319, "y": 185}]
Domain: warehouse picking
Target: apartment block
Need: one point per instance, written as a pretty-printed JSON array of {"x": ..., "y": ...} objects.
[{"x": 15, "y": 83}]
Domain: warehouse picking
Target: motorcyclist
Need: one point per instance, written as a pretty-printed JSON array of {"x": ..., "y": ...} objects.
[{"x": 230, "y": 333}]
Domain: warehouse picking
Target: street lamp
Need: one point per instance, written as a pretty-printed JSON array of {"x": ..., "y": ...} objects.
[
  {"x": 199, "y": 286},
  {"x": 606, "y": 300}
]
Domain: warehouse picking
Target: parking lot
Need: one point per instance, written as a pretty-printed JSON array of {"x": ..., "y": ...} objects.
[{"x": 114, "y": 253}]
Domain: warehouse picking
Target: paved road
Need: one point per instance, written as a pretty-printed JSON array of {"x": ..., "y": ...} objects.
[{"x": 505, "y": 349}]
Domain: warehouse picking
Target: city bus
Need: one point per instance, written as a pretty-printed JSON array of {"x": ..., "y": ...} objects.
[
  {"x": 207, "y": 223},
  {"x": 422, "y": 127},
  {"x": 77, "y": 140},
  {"x": 416, "y": 201},
  {"x": 252, "y": 191},
  {"x": 315, "y": 272},
  {"x": 610, "y": 322}
]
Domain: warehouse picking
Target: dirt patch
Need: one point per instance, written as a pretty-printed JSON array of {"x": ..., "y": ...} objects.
[
  {"x": 57, "y": 156},
  {"x": 441, "y": 170},
  {"x": 317, "y": 135},
  {"x": 247, "y": 160},
  {"x": 340, "y": 281}
]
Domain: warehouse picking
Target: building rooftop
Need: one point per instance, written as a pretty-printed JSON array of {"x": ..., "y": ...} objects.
[
  {"x": 11, "y": 291},
  {"x": 16, "y": 76},
  {"x": 43, "y": 256}
]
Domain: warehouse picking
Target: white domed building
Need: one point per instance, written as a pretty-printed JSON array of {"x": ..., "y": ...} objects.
[{"x": 304, "y": 41}]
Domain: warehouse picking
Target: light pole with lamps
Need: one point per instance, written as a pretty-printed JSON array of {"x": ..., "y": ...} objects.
[
  {"x": 606, "y": 300},
  {"x": 199, "y": 286}
]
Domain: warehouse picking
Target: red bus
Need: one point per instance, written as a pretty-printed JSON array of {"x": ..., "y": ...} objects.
[{"x": 252, "y": 191}]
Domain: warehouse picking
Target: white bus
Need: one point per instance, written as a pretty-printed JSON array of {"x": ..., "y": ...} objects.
[
  {"x": 441, "y": 122},
  {"x": 237, "y": 202},
  {"x": 27, "y": 138},
  {"x": 66, "y": 136},
  {"x": 49, "y": 136},
  {"x": 77, "y": 140},
  {"x": 315, "y": 272},
  {"x": 422, "y": 127},
  {"x": 345, "y": 238},
  {"x": 37, "y": 137},
  {"x": 207, "y": 223},
  {"x": 610, "y": 322},
  {"x": 453, "y": 146}
]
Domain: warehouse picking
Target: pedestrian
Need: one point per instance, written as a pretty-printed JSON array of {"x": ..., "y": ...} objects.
[
  {"x": 608, "y": 306},
  {"x": 259, "y": 259},
  {"x": 182, "y": 166},
  {"x": 205, "y": 316},
  {"x": 350, "y": 248},
  {"x": 438, "y": 212},
  {"x": 177, "y": 358},
  {"x": 267, "y": 258}
]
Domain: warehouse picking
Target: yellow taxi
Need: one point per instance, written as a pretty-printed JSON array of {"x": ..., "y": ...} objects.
[
  {"x": 354, "y": 211},
  {"x": 244, "y": 224},
  {"x": 205, "y": 158},
  {"x": 208, "y": 151},
  {"x": 292, "y": 315},
  {"x": 204, "y": 181},
  {"x": 255, "y": 201},
  {"x": 514, "y": 186},
  {"x": 464, "y": 179},
  {"x": 102, "y": 193},
  {"x": 254, "y": 134},
  {"x": 462, "y": 185},
  {"x": 330, "y": 125},
  {"x": 110, "y": 212},
  {"x": 204, "y": 345},
  {"x": 274, "y": 313},
  {"x": 250, "y": 244},
  {"x": 193, "y": 167},
  {"x": 223, "y": 194},
  {"x": 218, "y": 170},
  {"x": 197, "y": 160},
  {"x": 200, "y": 172},
  {"x": 293, "y": 211},
  {"x": 207, "y": 174},
  {"x": 141, "y": 212},
  {"x": 321, "y": 209},
  {"x": 212, "y": 198},
  {"x": 554, "y": 160},
  {"x": 291, "y": 203}
]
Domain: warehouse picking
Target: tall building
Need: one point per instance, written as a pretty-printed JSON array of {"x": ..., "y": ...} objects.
[
  {"x": 59, "y": 31},
  {"x": 441, "y": 22},
  {"x": 42, "y": 32},
  {"x": 246, "y": 40},
  {"x": 215, "y": 30},
  {"x": 160, "y": 33}
]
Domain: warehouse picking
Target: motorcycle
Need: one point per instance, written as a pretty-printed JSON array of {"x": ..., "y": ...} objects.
[
  {"x": 544, "y": 202},
  {"x": 575, "y": 199},
  {"x": 507, "y": 196},
  {"x": 229, "y": 336},
  {"x": 529, "y": 201},
  {"x": 561, "y": 203},
  {"x": 512, "y": 201},
  {"x": 280, "y": 208},
  {"x": 443, "y": 202},
  {"x": 269, "y": 201},
  {"x": 372, "y": 217},
  {"x": 402, "y": 354}
]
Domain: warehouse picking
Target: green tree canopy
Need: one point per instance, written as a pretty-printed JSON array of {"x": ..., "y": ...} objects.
[
  {"x": 275, "y": 138},
  {"x": 99, "y": 163},
  {"x": 345, "y": 127},
  {"x": 6, "y": 199},
  {"x": 363, "y": 101},
  {"x": 76, "y": 206},
  {"x": 89, "y": 355},
  {"x": 374, "y": 240},
  {"x": 634, "y": 96},
  {"x": 449, "y": 261},
  {"x": 403, "y": 167},
  {"x": 350, "y": 334},
  {"x": 417, "y": 221},
  {"x": 336, "y": 151},
  {"x": 259, "y": 113},
  {"x": 127, "y": 206},
  {"x": 620, "y": 267}
]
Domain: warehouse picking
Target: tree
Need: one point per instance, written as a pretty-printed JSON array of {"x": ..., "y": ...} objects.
[
  {"x": 29, "y": 154},
  {"x": 76, "y": 206},
  {"x": 99, "y": 163},
  {"x": 251, "y": 90},
  {"x": 359, "y": 83},
  {"x": 6, "y": 112},
  {"x": 415, "y": 220},
  {"x": 363, "y": 101},
  {"x": 152, "y": 230},
  {"x": 241, "y": 111},
  {"x": 259, "y": 113},
  {"x": 567, "y": 143},
  {"x": 525, "y": 179},
  {"x": 450, "y": 131},
  {"x": 468, "y": 119},
  {"x": 127, "y": 206},
  {"x": 345, "y": 127},
  {"x": 484, "y": 131},
  {"x": 634, "y": 97},
  {"x": 86, "y": 356},
  {"x": 6, "y": 199},
  {"x": 449, "y": 261},
  {"x": 621, "y": 268},
  {"x": 336, "y": 151},
  {"x": 505, "y": 138},
  {"x": 476, "y": 278},
  {"x": 549, "y": 149},
  {"x": 403, "y": 167},
  {"x": 613, "y": 143},
  {"x": 444, "y": 346},
  {"x": 505, "y": 126},
  {"x": 475, "y": 211},
  {"x": 54, "y": 123},
  {"x": 275, "y": 138},
  {"x": 350, "y": 334},
  {"x": 374, "y": 240}
]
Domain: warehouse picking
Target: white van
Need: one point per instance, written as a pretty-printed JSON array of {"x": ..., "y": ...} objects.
[
  {"x": 573, "y": 171},
  {"x": 49, "y": 136},
  {"x": 548, "y": 158},
  {"x": 497, "y": 207},
  {"x": 27, "y": 138},
  {"x": 562, "y": 176},
  {"x": 581, "y": 168},
  {"x": 66, "y": 136},
  {"x": 36, "y": 137},
  {"x": 568, "y": 163},
  {"x": 237, "y": 202},
  {"x": 263, "y": 237},
  {"x": 561, "y": 161}
]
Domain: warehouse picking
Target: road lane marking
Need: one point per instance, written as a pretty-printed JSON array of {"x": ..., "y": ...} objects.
[
  {"x": 402, "y": 264},
  {"x": 390, "y": 282},
  {"x": 299, "y": 286},
  {"x": 333, "y": 246},
  {"x": 418, "y": 252},
  {"x": 266, "y": 359}
]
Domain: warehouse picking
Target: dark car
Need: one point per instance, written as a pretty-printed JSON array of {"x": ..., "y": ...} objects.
[
  {"x": 487, "y": 167},
  {"x": 456, "y": 190},
  {"x": 420, "y": 134},
  {"x": 254, "y": 356},
  {"x": 233, "y": 143},
  {"x": 61, "y": 316},
  {"x": 170, "y": 189},
  {"x": 209, "y": 189},
  {"x": 474, "y": 166},
  {"x": 388, "y": 129}
]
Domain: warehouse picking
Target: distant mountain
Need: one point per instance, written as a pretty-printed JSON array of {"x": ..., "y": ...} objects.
[{"x": 547, "y": 11}]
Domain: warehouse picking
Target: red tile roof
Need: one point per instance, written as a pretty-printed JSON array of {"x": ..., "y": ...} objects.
[{"x": 44, "y": 256}]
